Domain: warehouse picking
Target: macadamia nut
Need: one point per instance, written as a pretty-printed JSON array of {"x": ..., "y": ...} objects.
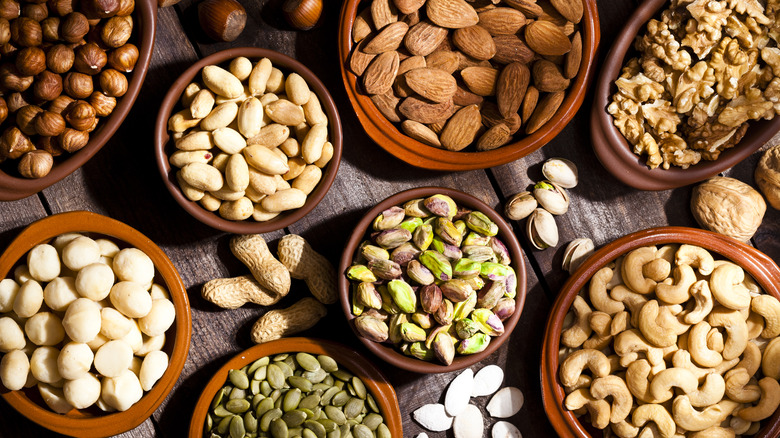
[
  {"x": 54, "y": 398},
  {"x": 82, "y": 320},
  {"x": 83, "y": 392},
  {"x": 132, "y": 264},
  {"x": 80, "y": 252},
  {"x": 134, "y": 337},
  {"x": 113, "y": 357},
  {"x": 14, "y": 368},
  {"x": 11, "y": 335},
  {"x": 150, "y": 343},
  {"x": 8, "y": 290},
  {"x": 94, "y": 281},
  {"x": 131, "y": 299},
  {"x": 22, "y": 274},
  {"x": 159, "y": 318},
  {"x": 43, "y": 262},
  {"x": 122, "y": 391},
  {"x": 157, "y": 292},
  {"x": 135, "y": 365},
  {"x": 44, "y": 328},
  {"x": 60, "y": 241},
  {"x": 107, "y": 248},
  {"x": 113, "y": 324},
  {"x": 153, "y": 367},
  {"x": 29, "y": 299},
  {"x": 98, "y": 342},
  {"x": 74, "y": 360},
  {"x": 43, "y": 365},
  {"x": 59, "y": 293}
]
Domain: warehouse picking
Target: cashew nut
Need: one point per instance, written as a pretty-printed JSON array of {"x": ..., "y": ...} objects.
[
  {"x": 755, "y": 325},
  {"x": 727, "y": 288},
  {"x": 736, "y": 331},
  {"x": 630, "y": 299},
  {"x": 714, "y": 432},
  {"x": 663, "y": 382},
  {"x": 583, "y": 382},
  {"x": 715, "y": 340},
  {"x": 624, "y": 429},
  {"x": 615, "y": 387},
  {"x": 739, "y": 425},
  {"x": 651, "y": 330},
  {"x": 690, "y": 419},
  {"x": 737, "y": 387},
  {"x": 658, "y": 415},
  {"x": 770, "y": 363},
  {"x": 751, "y": 359},
  {"x": 631, "y": 341},
  {"x": 696, "y": 257},
  {"x": 682, "y": 359},
  {"x": 578, "y": 333},
  {"x": 677, "y": 293},
  {"x": 599, "y": 409},
  {"x": 637, "y": 380},
  {"x": 703, "y": 302},
  {"x": 572, "y": 367},
  {"x": 710, "y": 392},
  {"x": 697, "y": 345},
  {"x": 599, "y": 323},
  {"x": 657, "y": 270},
  {"x": 632, "y": 270},
  {"x": 599, "y": 296},
  {"x": 769, "y": 308},
  {"x": 667, "y": 252},
  {"x": 769, "y": 401},
  {"x": 619, "y": 323},
  {"x": 617, "y": 275}
]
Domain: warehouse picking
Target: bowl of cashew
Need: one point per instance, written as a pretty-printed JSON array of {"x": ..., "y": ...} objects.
[{"x": 666, "y": 332}]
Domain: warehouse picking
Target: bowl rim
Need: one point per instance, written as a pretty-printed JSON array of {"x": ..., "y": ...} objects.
[
  {"x": 375, "y": 381},
  {"x": 249, "y": 226},
  {"x": 13, "y": 188},
  {"x": 759, "y": 265},
  {"x": 114, "y": 423},
  {"x": 388, "y": 137},
  {"x": 386, "y": 352},
  {"x": 615, "y": 153}
]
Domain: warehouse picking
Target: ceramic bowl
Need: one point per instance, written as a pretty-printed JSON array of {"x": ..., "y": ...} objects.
[
  {"x": 13, "y": 186},
  {"x": 390, "y": 138},
  {"x": 92, "y": 422},
  {"x": 757, "y": 264},
  {"x": 387, "y": 351},
  {"x": 164, "y": 147},
  {"x": 614, "y": 151},
  {"x": 375, "y": 381}
]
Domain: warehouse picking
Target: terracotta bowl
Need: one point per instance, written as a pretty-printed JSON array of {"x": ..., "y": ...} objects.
[
  {"x": 13, "y": 187},
  {"x": 387, "y": 351},
  {"x": 92, "y": 422},
  {"x": 389, "y": 136},
  {"x": 614, "y": 151},
  {"x": 163, "y": 147},
  {"x": 375, "y": 381},
  {"x": 757, "y": 264}
]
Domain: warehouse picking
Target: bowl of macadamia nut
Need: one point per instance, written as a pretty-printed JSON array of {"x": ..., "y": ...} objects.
[
  {"x": 94, "y": 325},
  {"x": 668, "y": 331},
  {"x": 248, "y": 140},
  {"x": 683, "y": 95},
  {"x": 69, "y": 74}
]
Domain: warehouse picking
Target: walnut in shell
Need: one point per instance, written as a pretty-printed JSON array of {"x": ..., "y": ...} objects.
[
  {"x": 728, "y": 206},
  {"x": 768, "y": 176}
]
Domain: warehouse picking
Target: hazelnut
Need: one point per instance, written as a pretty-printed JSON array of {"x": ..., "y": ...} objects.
[
  {"x": 5, "y": 31},
  {"x": 60, "y": 7},
  {"x": 126, "y": 7},
  {"x": 80, "y": 115},
  {"x": 73, "y": 27},
  {"x": 77, "y": 85},
  {"x": 14, "y": 143},
  {"x": 50, "y": 145},
  {"x": 35, "y": 164},
  {"x": 12, "y": 80},
  {"x": 72, "y": 140},
  {"x": 104, "y": 105},
  {"x": 30, "y": 61},
  {"x": 60, "y": 103},
  {"x": 26, "y": 32},
  {"x": 16, "y": 101},
  {"x": 3, "y": 110},
  {"x": 25, "y": 118},
  {"x": 9, "y": 9},
  {"x": 37, "y": 12},
  {"x": 90, "y": 59},
  {"x": 222, "y": 20},
  {"x": 60, "y": 58},
  {"x": 7, "y": 50},
  {"x": 123, "y": 58},
  {"x": 49, "y": 124},
  {"x": 302, "y": 14},
  {"x": 51, "y": 29},
  {"x": 47, "y": 86},
  {"x": 99, "y": 8},
  {"x": 117, "y": 31},
  {"x": 113, "y": 82}
]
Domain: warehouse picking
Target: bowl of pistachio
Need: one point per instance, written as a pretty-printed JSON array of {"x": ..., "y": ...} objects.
[{"x": 432, "y": 280}]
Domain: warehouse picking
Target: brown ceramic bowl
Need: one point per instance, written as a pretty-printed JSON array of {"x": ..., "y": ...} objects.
[
  {"x": 387, "y": 351},
  {"x": 13, "y": 187},
  {"x": 375, "y": 381},
  {"x": 92, "y": 422},
  {"x": 163, "y": 147},
  {"x": 614, "y": 151},
  {"x": 757, "y": 264},
  {"x": 389, "y": 136}
]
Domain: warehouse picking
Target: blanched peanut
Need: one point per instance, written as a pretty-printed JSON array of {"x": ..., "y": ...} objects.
[
  {"x": 189, "y": 191},
  {"x": 82, "y": 320},
  {"x": 11, "y": 335},
  {"x": 149, "y": 344},
  {"x": 327, "y": 154},
  {"x": 237, "y": 173},
  {"x": 283, "y": 200},
  {"x": 189, "y": 93},
  {"x": 228, "y": 140},
  {"x": 54, "y": 398},
  {"x": 59, "y": 293},
  {"x": 182, "y": 121},
  {"x": 202, "y": 176},
  {"x": 221, "y": 81},
  {"x": 122, "y": 391},
  {"x": 44, "y": 328},
  {"x": 237, "y": 210},
  {"x": 210, "y": 203},
  {"x": 253, "y": 195},
  {"x": 83, "y": 392},
  {"x": 135, "y": 365},
  {"x": 153, "y": 367},
  {"x": 202, "y": 104},
  {"x": 132, "y": 264},
  {"x": 94, "y": 281},
  {"x": 311, "y": 148},
  {"x": 275, "y": 82},
  {"x": 43, "y": 262},
  {"x": 220, "y": 117},
  {"x": 250, "y": 117},
  {"x": 285, "y": 112},
  {"x": 313, "y": 110},
  {"x": 258, "y": 78},
  {"x": 74, "y": 360},
  {"x": 43, "y": 364},
  {"x": 131, "y": 299},
  {"x": 308, "y": 179},
  {"x": 159, "y": 319},
  {"x": 241, "y": 67},
  {"x": 297, "y": 89},
  {"x": 195, "y": 141},
  {"x": 80, "y": 252},
  {"x": 8, "y": 290},
  {"x": 290, "y": 147},
  {"x": 260, "y": 182},
  {"x": 14, "y": 368},
  {"x": 270, "y": 136},
  {"x": 261, "y": 215},
  {"x": 113, "y": 324},
  {"x": 301, "y": 131},
  {"x": 227, "y": 194},
  {"x": 113, "y": 357},
  {"x": 265, "y": 160},
  {"x": 29, "y": 299},
  {"x": 296, "y": 165},
  {"x": 182, "y": 158},
  {"x": 281, "y": 184}
]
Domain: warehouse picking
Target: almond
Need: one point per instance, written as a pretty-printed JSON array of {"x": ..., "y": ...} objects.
[
  {"x": 411, "y": 63},
  {"x": 388, "y": 39},
  {"x": 359, "y": 59},
  {"x": 480, "y": 80},
  {"x": 383, "y": 12},
  {"x": 545, "y": 38},
  {"x": 511, "y": 86},
  {"x": 452, "y": 14},
  {"x": 378, "y": 77},
  {"x": 465, "y": 61},
  {"x": 401, "y": 88},
  {"x": 544, "y": 111},
  {"x": 461, "y": 129},
  {"x": 443, "y": 60},
  {"x": 463, "y": 97},
  {"x": 474, "y": 41},
  {"x": 529, "y": 8},
  {"x": 431, "y": 83},
  {"x": 572, "y": 60},
  {"x": 421, "y": 133},
  {"x": 425, "y": 112},
  {"x": 491, "y": 117},
  {"x": 529, "y": 102},
  {"x": 548, "y": 77},
  {"x": 424, "y": 37},
  {"x": 495, "y": 137},
  {"x": 570, "y": 9},
  {"x": 408, "y": 6},
  {"x": 361, "y": 28},
  {"x": 411, "y": 19},
  {"x": 387, "y": 104},
  {"x": 437, "y": 127},
  {"x": 510, "y": 48},
  {"x": 502, "y": 21}
]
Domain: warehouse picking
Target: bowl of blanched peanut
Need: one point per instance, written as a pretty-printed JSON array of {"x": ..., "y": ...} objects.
[{"x": 94, "y": 325}]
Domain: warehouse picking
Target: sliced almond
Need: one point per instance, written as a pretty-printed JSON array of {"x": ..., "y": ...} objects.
[
  {"x": 480, "y": 80},
  {"x": 571, "y": 9},
  {"x": 487, "y": 380},
  {"x": 495, "y": 137},
  {"x": 425, "y": 112},
  {"x": 383, "y": 12},
  {"x": 510, "y": 48},
  {"x": 443, "y": 60},
  {"x": 506, "y": 402},
  {"x": 460, "y": 132},
  {"x": 421, "y": 133},
  {"x": 545, "y": 38},
  {"x": 469, "y": 423},
  {"x": 459, "y": 392},
  {"x": 502, "y": 21},
  {"x": 387, "y": 104},
  {"x": 544, "y": 111},
  {"x": 359, "y": 60},
  {"x": 529, "y": 102},
  {"x": 408, "y": 6},
  {"x": 529, "y": 8},
  {"x": 378, "y": 77},
  {"x": 548, "y": 77},
  {"x": 424, "y": 37},
  {"x": 452, "y": 14},
  {"x": 474, "y": 41},
  {"x": 511, "y": 86},
  {"x": 433, "y": 84},
  {"x": 388, "y": 39},
  {"x": 362, "y": 26},
  {"x": 433, "y": 417},
  {"x": 572, "y": 60},
  {"x": 464, "y": 97}
]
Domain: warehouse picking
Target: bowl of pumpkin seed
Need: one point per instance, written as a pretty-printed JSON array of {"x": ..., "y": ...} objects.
[{"x": 297, "y": 387}]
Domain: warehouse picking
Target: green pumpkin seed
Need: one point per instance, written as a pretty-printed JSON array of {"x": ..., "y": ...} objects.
[
  {"x": 275, "y": 394},
  {"x": 340, "y": 399},
  {"x": 338, "y": 384},
  {"x": 268, "y": 417},
  {"x": 307, "y": 433},
  {"x": 310, "y": 414},
  {"x": 237, "y": 393},
  {"x": 287, "y": 370},
  {"x": 342, "y": 375},
  {"x": 334, "y": 434},
  {"x": 264, "y": 406},
  {"x": 294, "y": 418},
  {"x": 328, "y": 380},
  {"x": 327, "y": 363},
  {"x": 310, "y": 401},
  {"x": 276, "y": 376},
  {"x": 254, "y": 387},
  {"x": 321, "y": 387},
  {"x": 257, "y": 364},
  {"x": 295, "y": 431},
  {"x": 335, "y": 414},
  {"x": 209, "y": 422},
  {"x": 238, "y": 406},
  {"x": 307, "y": 361},
  {"x": 346, "y": 431},
  {"x": 327, "y": 396},
  {"x": 316, "y": 376},
  {"x": 224, "y": 425},
  {"x": 237, "y": 429},
  {"x": 330, "y": 425},
  {"x": 265, "y": 388},
  {"x": 220, "y": 411},
  {"x": 290, "y": 361},
  {"x": 354, "y": 407},
  {"x": 291, "y": 400},
  {"x": 372, "y": 403},
  {"x": 383, "y": 431},
  {"x": 239, "y": 379},
  {"x": 300, "y": 382},
  {"x": 217, "y": 398},
  {"x": 360, "y": 387},
  {"x": 280, "y": 357},
  {"x": 279, "y": 429},
  {"x": 315, "y": 427},
  {"x": 278, "y": 402},
  {"x": 361, "y": 431},
  {"x": 250, "y": 422},
  {"x": 260, "y": 373},
  {"x": 372, "y": 421}
]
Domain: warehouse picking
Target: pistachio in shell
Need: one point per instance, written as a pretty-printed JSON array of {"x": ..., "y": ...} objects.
[
  {"x": 520, "y": 206},
  {"x": 729, "y": 207},
  {"x": 552, "y": 197},
  {"x": 561, "y": 171},
  {"x": 542, "y": 230},
  {"x": 575, "y": 253}
]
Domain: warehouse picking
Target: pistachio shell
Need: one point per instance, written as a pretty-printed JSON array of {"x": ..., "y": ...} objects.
[
  {"x": 542, "y": 230},
  {"x": 576, "y": 252},
  {"x": 561, "y": 171}
]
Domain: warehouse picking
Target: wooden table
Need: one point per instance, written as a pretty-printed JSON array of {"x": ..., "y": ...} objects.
[{"x": 122, "y": 182}]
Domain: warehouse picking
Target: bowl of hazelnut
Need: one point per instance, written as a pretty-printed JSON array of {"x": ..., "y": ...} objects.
[{"x": 69, "y": 74}]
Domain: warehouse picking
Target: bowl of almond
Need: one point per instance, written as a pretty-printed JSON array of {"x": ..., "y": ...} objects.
[{"x": 454, "y": 85}]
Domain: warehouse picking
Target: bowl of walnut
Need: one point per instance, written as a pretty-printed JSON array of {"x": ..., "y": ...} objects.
[
  {"x": 70, "y": 72},
  {"x": 453, "y": 85},
  {"x": 686, "y": 92},
  {"x": 666, "y": 332}
]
